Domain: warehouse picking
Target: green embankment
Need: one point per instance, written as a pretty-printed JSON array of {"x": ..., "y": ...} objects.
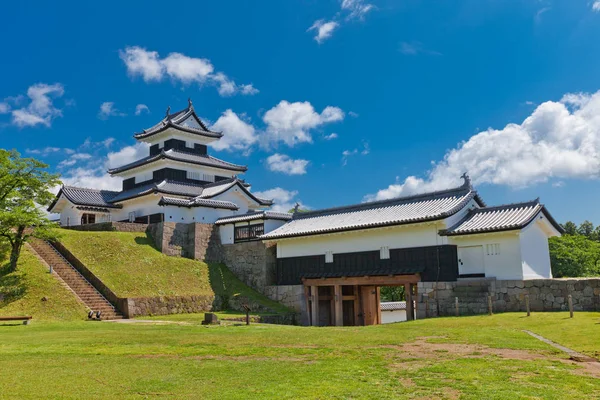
[
  {"x": 128, "y": 263},
  {"x": 24, "y": 289}
]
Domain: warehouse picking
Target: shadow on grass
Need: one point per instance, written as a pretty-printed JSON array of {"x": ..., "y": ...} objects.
[
  {"x": 12, "y": 285},
  {"x": 146, "y": 241}
]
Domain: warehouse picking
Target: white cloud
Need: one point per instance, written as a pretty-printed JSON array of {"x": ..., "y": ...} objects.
[
  {"x": 237, "y": 133},
  {"x": 414, "y": 48},
  {"x": 74, "y": 159},
  {"x": 596, "y": 6},
  {"x": 353, "y": 114},
  {"x": 180, "y": 68},
  {"x": 291, "y": 122},
  {"x": 286, "y": 165},
  {"x": 248, "y": 89},
  {"x": 107, "y": 109},
  {"x": 324, "y": 29},
  {"x": 357, "y": 9},
  {"x": 349, "y": 153},
  {"x": 127, "y": 155},
  {"x": 45, "y": 151},
  {"x": 559, "y": 140},
  {"x": 94, "y": 178},
  {"x": 284, "y": 200},
  {"x": 40, "y": 110},
  {"x": 331, "y": 136},
  {"x": 108, "y": 142},
  {"x": 4, "y": 108},
  {"x": 140, "y": 108}
]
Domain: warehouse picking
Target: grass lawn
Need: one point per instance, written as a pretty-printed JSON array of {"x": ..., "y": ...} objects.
[
  {"x": 24, "y": 289},
  {"x": 469, "y": 357},
  {"x": 130, "y": 265}
]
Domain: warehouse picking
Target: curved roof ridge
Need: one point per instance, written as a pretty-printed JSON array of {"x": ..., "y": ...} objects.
[
  {"x": 375, "y": 204},
  {"x": 508, "y": 205},
  {"x": 175, "y": 119}
]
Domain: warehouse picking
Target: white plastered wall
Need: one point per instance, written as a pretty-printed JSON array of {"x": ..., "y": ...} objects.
[
  {"x": 402, "y": 236},
  {"x": 535, "y": 253},
  {"x": 506, "y": 264}
]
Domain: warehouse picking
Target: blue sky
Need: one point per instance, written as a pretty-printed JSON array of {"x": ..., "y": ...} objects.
[{"x": 416, "y": 92}]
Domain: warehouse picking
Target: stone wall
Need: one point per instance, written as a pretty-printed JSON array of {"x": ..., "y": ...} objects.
[
  {"x": 507, "y": 295},
  {"x": 193, "y": 240},
  {"x": 252, "y": 262},
  {"x": 110, "y": 226},
  {"x": 142, "y": 306},
  {"x": 291, "y": 296}
]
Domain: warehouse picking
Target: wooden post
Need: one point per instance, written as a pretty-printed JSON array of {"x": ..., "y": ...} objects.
[
  {"x": 357, "y": 310},
  {"x": 456, "y": 306},
  {"x": 426, "y": 308},
  {"x": 410, "y": 310},
  {"x": 570, "y": 298},
  {"x": 527, "y": 305},
  {"x": 490, "y": 305},
  {"x": 314, "y": 297},
  {"x": 339, "y": 311},
  {"x": 416, "y": 303},
  {"x": 378, "y": 302},
  {"x": 307, "y": 300}
]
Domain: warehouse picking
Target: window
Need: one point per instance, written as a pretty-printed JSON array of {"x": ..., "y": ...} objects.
[
  {"x": 194, "y": 175},
  {"x": 384, "y": 253},
  {"x": 492, "y": 249},
  {"x": 88, "y": 219},
  {"x": 329, "y": 256},
  {"x": 247, "y": 232}
]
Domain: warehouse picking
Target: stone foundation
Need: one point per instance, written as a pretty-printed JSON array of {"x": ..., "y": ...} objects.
[
  {"x": 142, "y": 306},
  {"x": 438, "y": 299},
  {"x": 110, "y": 226},
  {"x": 252, "y": 262},
  {"x": 197, "y": 241},
  {"x": 291, "y": 296}
]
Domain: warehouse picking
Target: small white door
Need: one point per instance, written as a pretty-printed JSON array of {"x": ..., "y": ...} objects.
[{"x": 470, "y": 260}]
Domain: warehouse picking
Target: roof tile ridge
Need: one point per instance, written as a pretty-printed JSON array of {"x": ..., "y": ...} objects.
[
  {"x": 373, "y": 204},
  {"x": 507, "y": 206}
]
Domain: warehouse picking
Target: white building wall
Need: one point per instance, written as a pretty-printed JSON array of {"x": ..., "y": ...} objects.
[
  {"x": 389, "y": 317},
  {"x": 144, "y": 173},
  {"x": 414, "y": 235},
  {"x": 226, "y": 232},
  {"x": 535, "y": 253},
  {"x": 506, "y": 264}
]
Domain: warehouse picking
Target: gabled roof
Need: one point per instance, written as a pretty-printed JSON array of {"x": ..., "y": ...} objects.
[
  {"x": 398, "y": 211},
  {"x": 197, "y": 202},
  {"x": 500, "y": 218},
  {"x": 177, "y": 121},
  {"x": 251, "y": 216},
  {"x": 86, "y": 197},
  {"x": 165, "y": 187},
  {"x": 182, "y": 156},
  {"x": 218, "y": 188}
]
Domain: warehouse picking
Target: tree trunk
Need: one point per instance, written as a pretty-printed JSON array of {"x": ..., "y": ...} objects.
[{"x": 15, "y": 251}]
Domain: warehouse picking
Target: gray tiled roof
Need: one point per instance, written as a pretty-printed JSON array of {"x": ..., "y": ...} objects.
[
  {"x": 214, "y": 189},
  {"x": 197, "y": 202},
  {"x": 393, "y": 305},
  {"x": 86, "y": 197},
  {"x": 253, "y": 216},
  {"x": 175, "y": 120},
  {"x": 182, "y": 156},
  {"x": 403, "y": 210},
  {"x": 499, "y": 218},
  {"x": 135, "y": 192}
]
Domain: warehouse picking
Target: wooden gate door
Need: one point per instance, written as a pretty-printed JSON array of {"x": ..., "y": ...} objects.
[{"x": 370, "y": 304}]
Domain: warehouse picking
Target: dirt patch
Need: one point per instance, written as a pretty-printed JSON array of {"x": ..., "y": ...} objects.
[
  {"x": 421, "y": 353},
  {"x": 421, "y": 348}
]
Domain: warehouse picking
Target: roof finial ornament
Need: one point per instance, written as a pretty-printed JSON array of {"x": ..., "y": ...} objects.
[
  {"x": 189, "y": 102},
  {"x": 296, "y": 207},
  {"x": 467, "y": 182},
  {"x": 168, "y": 111}
]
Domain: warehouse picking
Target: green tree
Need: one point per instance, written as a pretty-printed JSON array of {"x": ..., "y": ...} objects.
[
  {"x": 25, "y": 186},
  {"x": 392, "y": 293},
  {"x": 574, "y": 256},
  {"x": 586, "y": 229},
  {"x": 570, "y": 228}
]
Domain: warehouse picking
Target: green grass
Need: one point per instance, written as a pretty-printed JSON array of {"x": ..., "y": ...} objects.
[
  {"x": 108, "y": 360},
  {"x": 24, "y": 289},
  {"x": 130, "y": 265}
]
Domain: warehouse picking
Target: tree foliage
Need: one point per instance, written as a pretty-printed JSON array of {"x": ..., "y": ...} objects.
[
  {"x": 25, "y": 186},
  {"x": 392, "y": 293},
  {"x": 577, "y": 252}
]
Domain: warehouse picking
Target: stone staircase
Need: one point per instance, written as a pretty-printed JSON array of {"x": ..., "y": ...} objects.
[{"x": 75, "y": 281}]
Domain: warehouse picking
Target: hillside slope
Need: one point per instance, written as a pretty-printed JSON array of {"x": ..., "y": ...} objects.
[
  {"x": 24, "y": 289},
  {"x": 130, "y": 265}
]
